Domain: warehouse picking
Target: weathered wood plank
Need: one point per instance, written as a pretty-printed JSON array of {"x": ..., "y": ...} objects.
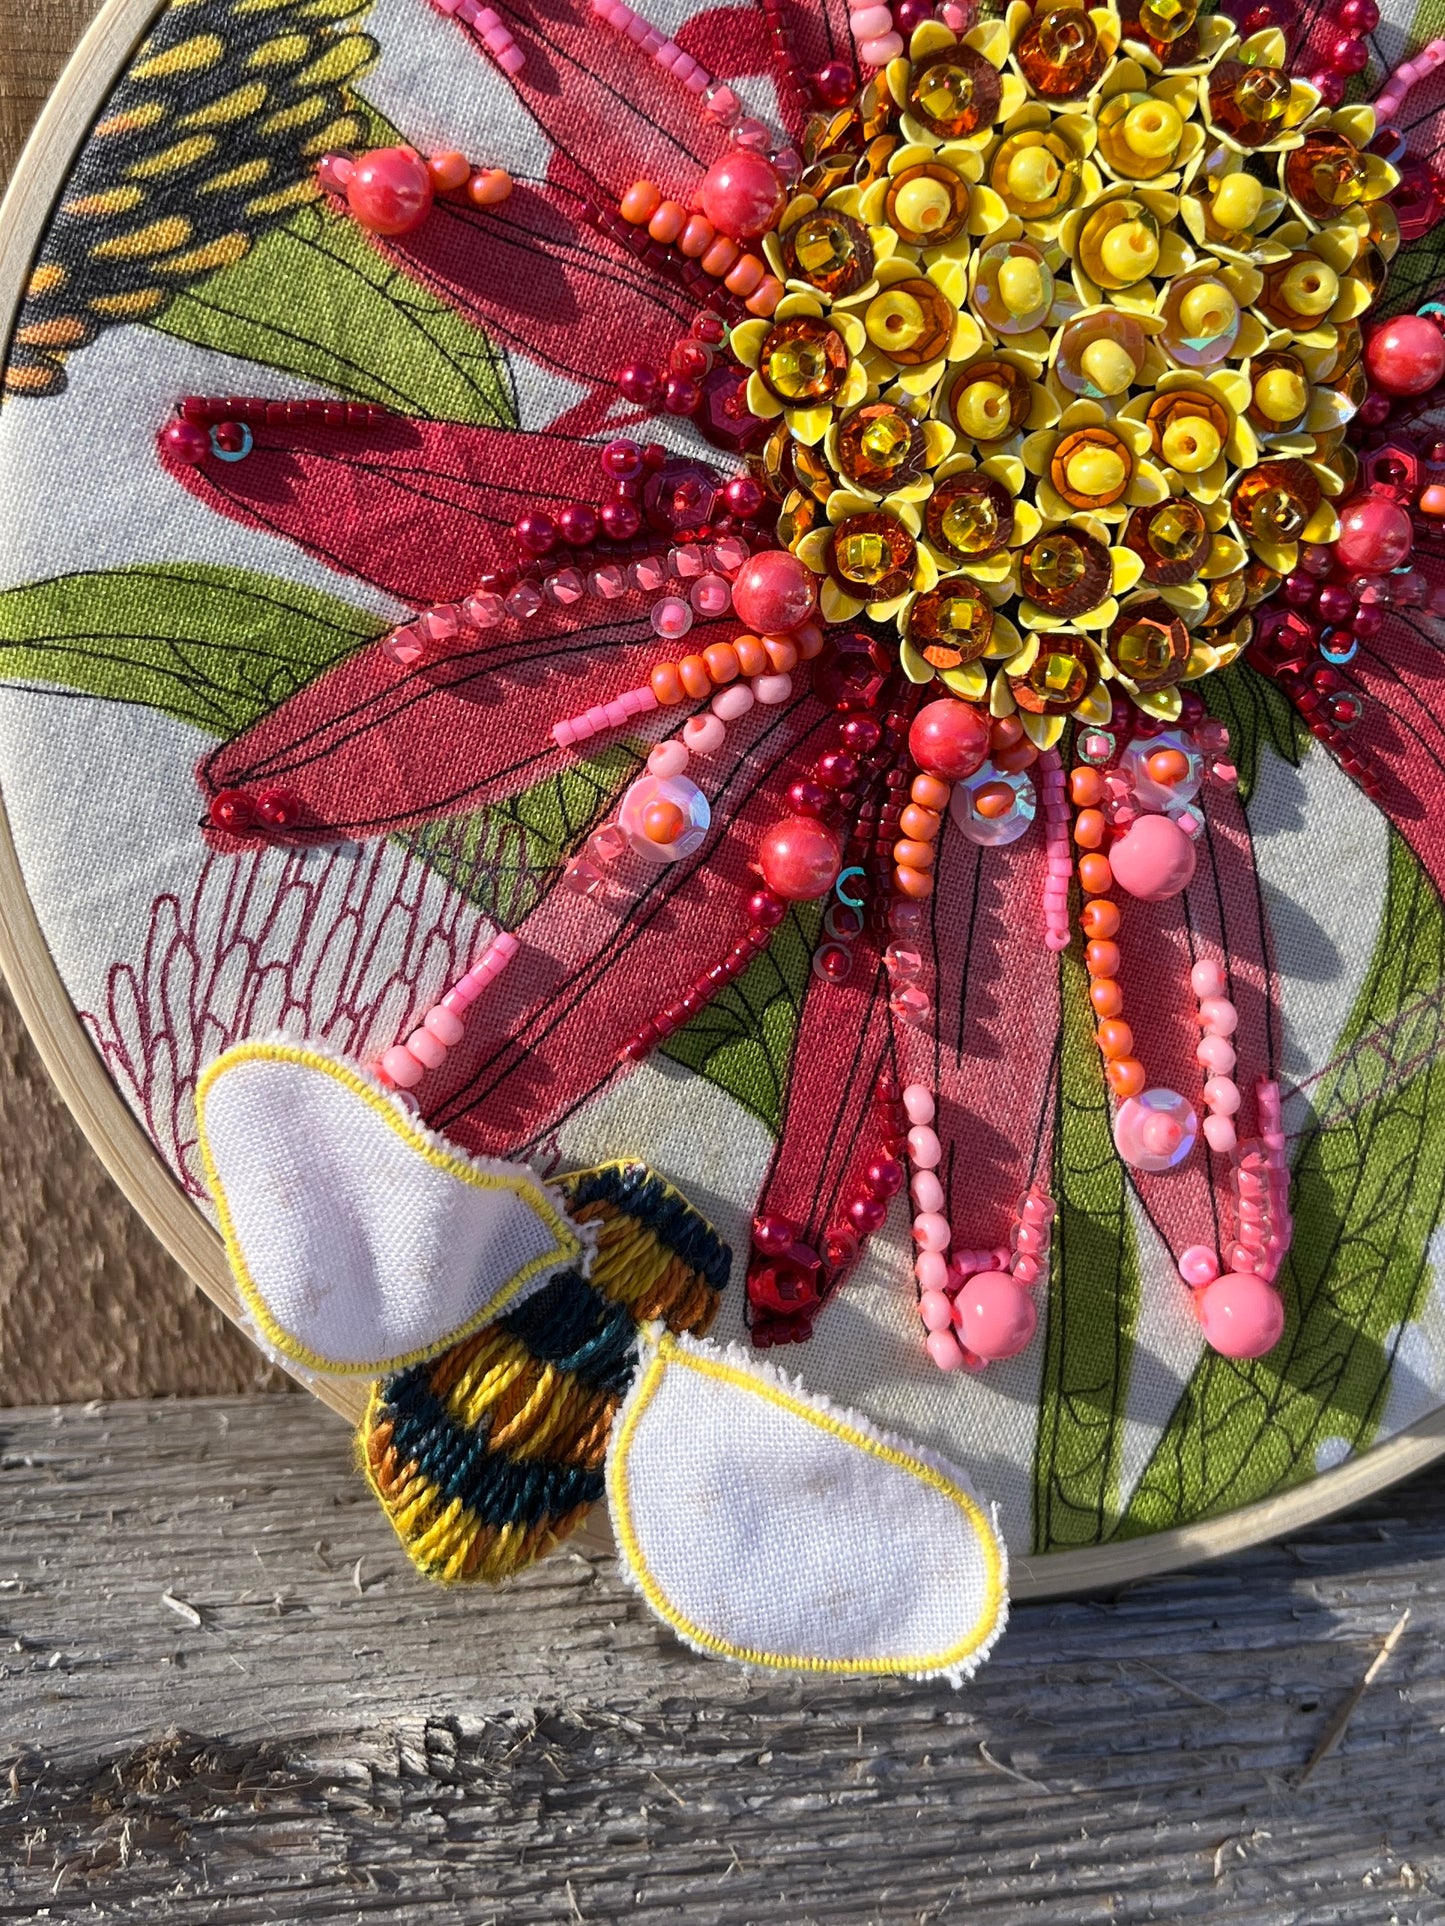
[{"x": 549, "y": 1754}]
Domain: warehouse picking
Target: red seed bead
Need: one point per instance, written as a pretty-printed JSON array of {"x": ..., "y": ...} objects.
[
  {"x": 766, "y": 910},
  {"x": 834, "y": 84},
  {"x": 744, "y": 497},
  {"x": 278, "y": 809},
  {"x": 681, "y": 395},
  {"x": 867, "y": 1214},
  {"x": 640, "y": 384},
  {"x": 884, "y": 1177},
  {"x": 231, "y": 810},
  {"x": 1349, "y": 55},
  {"x": 229, "y": 437},
  {"x": 1100, "y": 918}
]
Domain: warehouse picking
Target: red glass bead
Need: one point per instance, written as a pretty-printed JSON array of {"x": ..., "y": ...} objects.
[
  {"x": 1367, "y": 623},
  {"x": 186, "y": 441},
  {"x": 689, "y": 357},
  {"x": 908, "y": 14},
  {"x": 1329, "y": 85},
  {"x": 834, "y": 84},
  {"x": 800, "y": 859},
  {"x": 1359, "y": 16},
  {"x": 949, "y": 739},
  {"x": 743, "y": 496},
  {"x": 786, "y": 1283},
  {"x": 861, "y": 734},
  {"x": 654, "y": 457},
  {"x": 709, "y": 327},
  {"x": 1336, "y": 604},
  {"x": 1298, "y": 589},
  {"x": 884, "y": 1177},
  {"x": 231, "y": 810},
  {"x": 742, "y": 194},
  {"x": 867, "y": 1214},
  {"x": 834, "y": 962},
  {"x": 622, "y": 459},
  {"x": 681, "y": 395},
  {"x": 229, "y": 437},
  {"x": 620, "y": 520},
  {"x": 1349, "y": 55},
  {"x": 840, "y": 1246},
  {"x": 809, "y": 798},
  {"x": 765, "y": 910},
  {"x": 390, "y": 190},
  {"x": 577, "y": 525},
  {"x": 724, "y": 418},
  {"x": 536, "y": 533},
  {"x": 837, "y": 769},
  {"x": 278, "y": 809},
  {"x": 773, "y": 1233},
  {"x": 1405, "y": 356},
  {"x": 774, "y": 593},
  {"x": 1376, "y": 535},
  {"x": 640, "y": 384}
]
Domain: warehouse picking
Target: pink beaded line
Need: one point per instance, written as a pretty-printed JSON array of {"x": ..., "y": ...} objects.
[
  {"x": 490, "y": 29},
  {"x": 720, "y": 102},
  {"x": 727, "y": 705},
  {"x": 874, "y": 34},
  {"x": 942, "y": 1272},
  {"x": 1055, "y": 808},
  {"x": 1263, "y": 1227},
  {"x": 404, "y": 1065},
  {"x": 1388, "y": 102},
  {"x": 1219, "y": 1020}
]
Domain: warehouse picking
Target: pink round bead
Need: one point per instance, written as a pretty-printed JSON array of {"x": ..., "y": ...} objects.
[
  {"x": 942, "y": 1347},
  {"x": 1406, "y": 356},
  {"x": 926, "y": 1191},
  {"x": 402, "y": 1067},
  {"x": 1198, "y": 1265},
  {"x": 428, "y": 1050},
  {"x": 868, "y": 22},
  {"x": 774, "y": 593},
  {"x": 925, "y": 1152},
  {"x": 1207, "y": 978},
  {"x": 1218, "y": 1016},
  {"x": 1219, "y": 1133},
  {"x": 936, "y": 1311},
  {"x": 390, "y": 190},
  {"x": 1215, "y": 1053},
  {"x": 930, "y": 1231},
  {"x": 1376, "y": 534},
  {"x": 918, "y": 1102},
  {"x": 930, "y": 1270},
  {"x": 772, "y": 690},
  {"x": 800, "y": 859},
  {"x": 1222, "y": 1095},
  {"x": 949, "y": 739},
  {"x": 1153, "y": 859},
  {"x": 733, "y": 703},
  {"x": 995, "y": 1315},
  {"x": 445, "y": 1025},
  {"x": 742, "y": 194},
  {"x": 704, "y": 735},
  {"x": 878, "y": 52},
  {"x": 668, "y": 758},
  {"x": 1242, "y": 1316}
]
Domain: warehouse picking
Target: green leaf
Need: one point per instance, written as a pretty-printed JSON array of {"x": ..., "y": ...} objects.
[
  {"x": 1369, "y": 1189},
  {"x": 217, "y": 647},
  {"x": 506, "y": 856},
  {"x": 743, "y": 1040},
  {"x": 315, "y": 298},
  {"x": 1256, "y": 713},
  {"x": 1091, "y": 1319}
]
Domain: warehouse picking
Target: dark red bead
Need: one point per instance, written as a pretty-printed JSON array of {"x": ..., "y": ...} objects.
[
  {"x": 1375, "y": 410},
  {"x": 620, "y": 520},
  {"x": 786, "y": 1284},
  {"x": 766, "y": 910},
  {"x": 1329, "y": 85},
  {"x": 836, "y": 769},
  {"x": 690, "y": 357},
  {"x": 773, "y": 1233},
  {"x": 884, "y": 1177},
  {"x": 231, "y": 810},
  {"x": 709, "y": 328},
  {"x": 577, "y": 525},
  {"x": 229, "y": 436},
  {"x": 186, "y": 441},
  {"x": 1298, "y": 590},
  {"x": 1191, "y": 709},
  {"x": 681, "y": 395},
  {"x": 640, "y": 384},
  {"x": 622, "y": 459},
  {"x": 1336, "y": 604},
  {"x": 723, "y": 417},
  {"x": 654, "y": 457},
  {"x": 1349, "y": 55},
  {"x": 1368, "y": 621},
  {"x": 861, "y": 734},
  {"x": 278, "y": 809},
  {"x": 866, "y": 1214},
  {"x": 536, "y": 533},
  {"x": 743, "y": 496},
  {"x": 834, "y": 84},
  {"x": 809, "y": 798}
]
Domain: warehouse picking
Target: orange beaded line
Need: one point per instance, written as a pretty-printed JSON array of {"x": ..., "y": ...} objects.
[
  {"x": 914, "y": 853},
  {"x": 672, "y": 225},
  {"x": 1123, "y": 1071},
  {"x": 696, "y": 676}
]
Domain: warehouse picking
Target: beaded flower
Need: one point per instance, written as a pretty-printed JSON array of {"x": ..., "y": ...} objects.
[{"x": 1004, "y": 395}]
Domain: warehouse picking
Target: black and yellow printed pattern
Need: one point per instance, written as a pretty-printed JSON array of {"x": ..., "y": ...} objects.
[{"x": 211, "y": 136}]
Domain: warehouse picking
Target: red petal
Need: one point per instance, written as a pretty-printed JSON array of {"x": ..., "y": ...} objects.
[
  {"x": 549, "y": 1034},
  {"x": 1402, "y": 678},
  {"x": 420, "y": 509}
]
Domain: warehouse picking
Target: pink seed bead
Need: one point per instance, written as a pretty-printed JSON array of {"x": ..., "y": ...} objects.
[
  {"x": 445, "y": 1026},
  {"x": 878, "y": 53},
  {"x": 918, "y": 1102},
  {"x": 1031, "y": 1239},
  {"x": 1027, "y": 1270},
  {"x": 1219, "y": 1133},
  {"x": 732, "y": 704},
  {"x": 1206, "y": 978},
  {"x": 936, "y": 1311},
  {"x": 930, "y": 1231},
  {"x": 942, "y": 1347},
  {"x": 1222, "y": 1095},
  {"x": 930, "y": 1270},
  {"x": 704, "y": 735},
  {"x": 1215, "y": 1054},
  {"x": 668, "y": 759},
  {"x": 1218, "y": 1016},
  {"x": 926, "y": 1191},
  {"x": 772, "y": 690},
  {"x": 1198, "y": 1265},
  {"x": 925, "y": 1152},
  {"x": 428, "y": 1049},
  {"x": 870, "y": 21},
  {"x": 402, "y": 1067}
]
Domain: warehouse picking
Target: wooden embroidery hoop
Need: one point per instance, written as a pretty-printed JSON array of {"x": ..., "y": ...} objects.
[{"x": 131, "y": 1158}]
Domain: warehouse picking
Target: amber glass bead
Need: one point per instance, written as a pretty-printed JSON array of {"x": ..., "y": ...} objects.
[
  {"x": 1119, "y": 244},
  {"x": 1150, "y": 644},
  {"x": 1226, "y": 595},
  {"x": 1251, "y": 104},
  {"x": 830, "y": 251},
  {"x": 826, "y": 133},
  {"x": 951, "y": 625},
  {"x": 872, "y": 556},
  {"x": 1139, "y": 135},
  {"x": 788, "y": 464},
  {"x": 1091, "y": 468},
  {"x": 1036, "y": 174},
  {"x": 1065, "y": 572},
  {"x": 803, "y": 361},
  {"x": 1167, "y": 20},
  {"x": 1259, "y": 583},
  {"x": 797, "y": 517},
  {"x": 1273, "y": 502},
  {"x": 1171, "y": 539},
  {"x": 910, "y": 321},
  {"x": 1062, "y": 675},
  {"x": 881, "y": 448},
  {"x": 969, "y": 517},
  {"x": 990, "y": 400},
  {"x": 1060, "y": 54},
  {"x": 1368, "y": 267},
  {"x": 1189, "y": 429},
  {"x": 1323, "y": 175},
  {"x": 927, "y": 205},
  {"x": 1281, "y": 392},
  {"x": 829, "y": 172},
  {"x": 954, "y": 93}
]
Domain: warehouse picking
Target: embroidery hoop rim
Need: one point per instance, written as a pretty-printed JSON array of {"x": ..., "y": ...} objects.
[{"x": 116, "y": 1136}]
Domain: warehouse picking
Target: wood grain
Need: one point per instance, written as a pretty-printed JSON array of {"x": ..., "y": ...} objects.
[{"x": 340, "y": 1741}]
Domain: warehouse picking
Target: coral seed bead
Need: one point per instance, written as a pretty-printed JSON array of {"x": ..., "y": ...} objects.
[
  {"x": 1125, "y": 1076},
  {"x": 1100, "y": 918},
  {"x": 449, "y": 171},
  {"x": 640, "y": 203},
  {"x": 1095, "y": 874},
  {"x": 1086, "y": 787},
  {"x": 663, "y": 822},
  {"x": 1101, "y": 957},
  {"x": 489, "y": 187},
  {"x": 1106, "y": 997},
  {"x": 1115, "y": 1039}
]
